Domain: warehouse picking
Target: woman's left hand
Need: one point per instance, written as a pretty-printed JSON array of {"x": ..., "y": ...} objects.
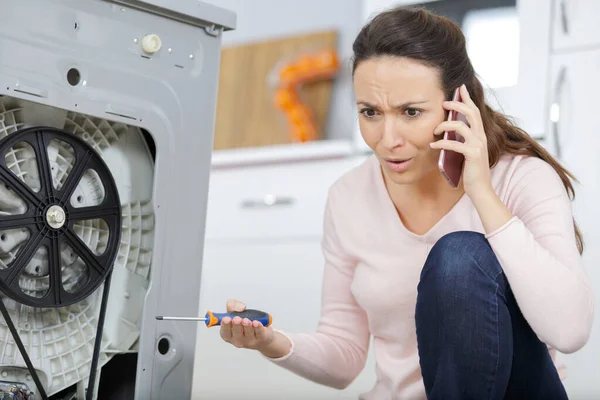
[{"x": 476, "y": 171}]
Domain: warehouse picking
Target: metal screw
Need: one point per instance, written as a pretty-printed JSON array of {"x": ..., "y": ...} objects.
[
  {"x": 135, "y": 40},
  {"x": 191, "y": 56},
  {"x": 55, "y": 216}
]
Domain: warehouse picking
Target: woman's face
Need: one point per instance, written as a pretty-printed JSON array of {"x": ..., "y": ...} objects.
[{"x": 400, "y": 104}]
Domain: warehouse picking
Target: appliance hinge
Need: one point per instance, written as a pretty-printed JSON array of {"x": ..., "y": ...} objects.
[{"x": 213, "y": 30}]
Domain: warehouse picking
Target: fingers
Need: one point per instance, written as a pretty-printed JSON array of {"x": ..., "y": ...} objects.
[
  {"x": 470, "y": 152},
  {"x": 249, "y": 331},
  {"x": 236, "y": 329},
  {"x": 468, "y": 108},
  {"x": 456, "y": 126},
  {"x": 260, "y": 331},
  {"x": 226, "y": 333},
  {"x": 465, "y": 96},
  {"x": 463, "y": 109},
  {"x": 243, "y": 333},
  {"x": 449, "y": 145},
  {"x": 235, "y": 305},
  {"x": 231, "y": 329}
]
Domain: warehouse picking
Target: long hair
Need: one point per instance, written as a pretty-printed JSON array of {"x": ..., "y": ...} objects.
[{"x": 436, "y": 41}]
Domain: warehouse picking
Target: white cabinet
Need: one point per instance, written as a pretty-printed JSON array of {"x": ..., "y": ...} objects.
[
  {"x": 282, "y": 277},
  {"x": 575, "y": 24},
  {"x": 577, "y": 132},
  {"x": 524, "y": 99},
  {"x": 272, "y": 201}
]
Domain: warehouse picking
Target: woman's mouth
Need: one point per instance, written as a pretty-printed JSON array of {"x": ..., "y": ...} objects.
[{"x": 398, "y": 165}]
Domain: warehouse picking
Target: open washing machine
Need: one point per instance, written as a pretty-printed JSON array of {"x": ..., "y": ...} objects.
[{"x": 107, "y": 111}]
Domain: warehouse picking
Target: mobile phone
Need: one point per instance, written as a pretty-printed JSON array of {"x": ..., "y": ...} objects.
[{"x": 450, "y": 162}]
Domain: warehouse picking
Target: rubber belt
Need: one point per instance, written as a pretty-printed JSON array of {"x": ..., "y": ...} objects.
[
  {"x": 98, "y": 342},
  {"x": 24, "y": 354}
]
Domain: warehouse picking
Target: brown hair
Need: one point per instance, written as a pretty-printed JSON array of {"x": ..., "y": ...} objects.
[{"x": 415, "y": 32}]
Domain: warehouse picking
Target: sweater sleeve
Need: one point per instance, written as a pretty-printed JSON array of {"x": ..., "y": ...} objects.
[
  {"x": 538, "y": 253},
  {"x": 336, "y": 353}
]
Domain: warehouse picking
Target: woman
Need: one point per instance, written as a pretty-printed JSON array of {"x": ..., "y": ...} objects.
[{"x": 467, "y": 292}]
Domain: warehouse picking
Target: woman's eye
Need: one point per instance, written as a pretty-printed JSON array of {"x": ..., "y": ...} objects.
[
  {"x": 368, "y": 112},
  {"x": 412, "y": 112}
]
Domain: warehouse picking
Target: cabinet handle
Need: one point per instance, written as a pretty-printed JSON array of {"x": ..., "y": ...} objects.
[
  {"x": 555, "y": 109},
  {"x": 563, "y": 17},
  {"x": 268, "y": 200}
]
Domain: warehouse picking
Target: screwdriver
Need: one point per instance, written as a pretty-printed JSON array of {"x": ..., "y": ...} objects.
[{"x": 214, "y": 319}]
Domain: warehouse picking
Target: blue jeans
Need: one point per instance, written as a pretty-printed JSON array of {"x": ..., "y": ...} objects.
[{"x": 472, "y": 338}]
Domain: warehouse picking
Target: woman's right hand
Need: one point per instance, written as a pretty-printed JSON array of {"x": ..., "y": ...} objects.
[{"x": 246, "y": 334}]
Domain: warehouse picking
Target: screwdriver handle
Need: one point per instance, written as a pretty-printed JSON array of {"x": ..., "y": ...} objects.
[{"x": 214, "y": 319}]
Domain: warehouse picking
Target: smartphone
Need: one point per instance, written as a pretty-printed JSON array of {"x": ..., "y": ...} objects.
[{"x": 451, "y": 163}]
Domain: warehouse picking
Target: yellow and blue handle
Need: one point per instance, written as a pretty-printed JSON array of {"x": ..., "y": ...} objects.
[{"x": 214, "y": 319}]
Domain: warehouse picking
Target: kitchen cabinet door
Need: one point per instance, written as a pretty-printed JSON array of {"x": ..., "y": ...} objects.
[
  {"x": 575, "y": 85},
  {"x": 575, "y": 25},
  {"x": 272, "y": 201},
  {"x": 281, "y": 277}
]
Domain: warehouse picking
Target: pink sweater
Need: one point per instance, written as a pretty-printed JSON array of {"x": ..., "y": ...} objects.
[{"x": 373, "y": 265}]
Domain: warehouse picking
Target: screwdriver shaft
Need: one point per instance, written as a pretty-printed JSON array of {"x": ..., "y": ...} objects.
[{"x": 162, "y": 318}]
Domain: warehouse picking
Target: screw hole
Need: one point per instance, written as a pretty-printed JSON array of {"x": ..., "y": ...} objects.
[
  {"x": 76, "y": 26},
  {"x": 3, "y": 237},
  {"x": 79, "y": 199},
  {"x": 73, "y": 76},
  {"x": 37, "y": 269},
  {"x": 163, "y": 346}
]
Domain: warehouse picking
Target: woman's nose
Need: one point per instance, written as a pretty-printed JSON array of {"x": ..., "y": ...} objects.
[{"x": 392, "y": 133}]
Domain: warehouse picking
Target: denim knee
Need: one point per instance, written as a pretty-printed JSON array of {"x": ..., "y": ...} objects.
[{"x": 457, "y": 262}]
